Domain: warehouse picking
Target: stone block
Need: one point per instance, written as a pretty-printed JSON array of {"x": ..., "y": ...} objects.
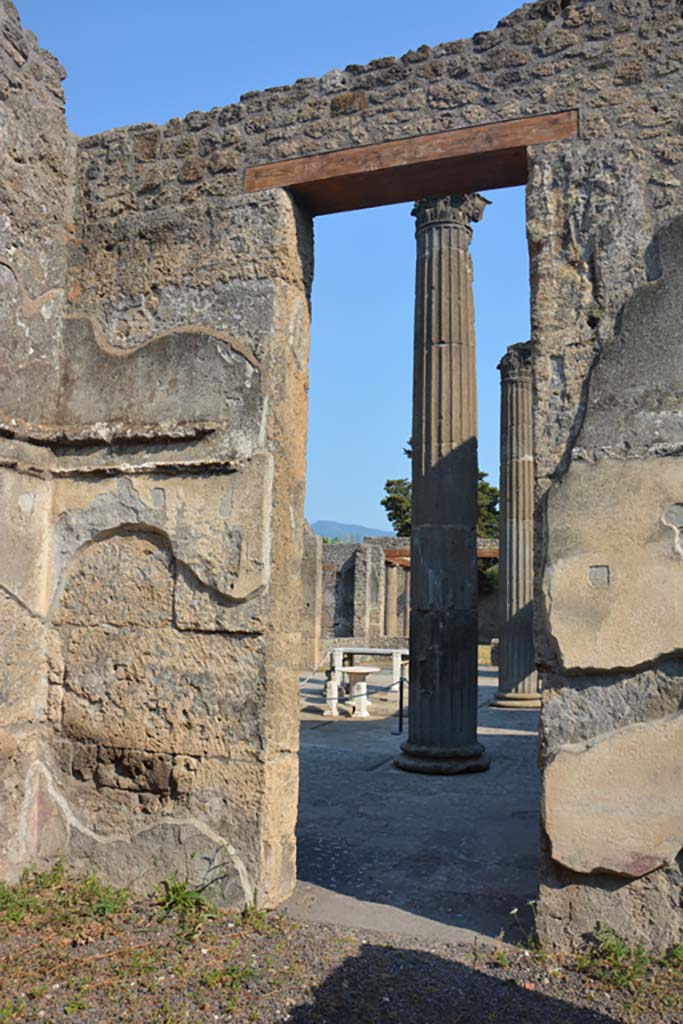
[
  {"x": 202, "y": 608},
  {"x": 158, "y": 690},
  {"x": 368, "y": 591},
  {"x": 24, "y": 666},
  {"x": 216, "y": 525},
  {"x": 25, "y": 501},
  {"x": 613, "y": 804},
  {"x": 189, "y": 375},
  {"x": 125, "y": 580}
]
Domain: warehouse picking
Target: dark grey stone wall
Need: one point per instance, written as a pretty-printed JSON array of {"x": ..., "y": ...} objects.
[{"x": 338, "y": 564}]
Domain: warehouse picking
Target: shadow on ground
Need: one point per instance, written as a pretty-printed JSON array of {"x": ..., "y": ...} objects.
[
  {"x": 458, "y": 850},
  {"x": 385, "y": 985}
]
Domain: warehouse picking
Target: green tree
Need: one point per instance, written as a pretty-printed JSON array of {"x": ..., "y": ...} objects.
[
  {"x": 488, "y": 498},
  {"x": 397, "y": 502},
  {"x": 398, "y": 505}
]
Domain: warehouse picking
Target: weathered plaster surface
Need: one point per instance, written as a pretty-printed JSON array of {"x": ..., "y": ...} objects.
[
  {"x": 614, "y": 583},
  {"x": 617, "y": 512},
  {"x": 613, "y": 804}
]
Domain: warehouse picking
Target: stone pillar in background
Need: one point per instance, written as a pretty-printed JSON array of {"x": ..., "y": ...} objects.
[
  {"x": 368, "y": 591},
  {"x": 442, "y": 737},
  {"x": 518, "y": 680},
  {"x": 312, "y": 587},
  {"x": 391, "y": 600},
  {"x": 406, "y": 602}
]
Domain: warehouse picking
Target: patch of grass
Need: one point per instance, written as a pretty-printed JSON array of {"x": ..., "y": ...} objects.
[
  {"x": 13, "y": 1010},
  {"x": 77, "y": 1002},
  {"x": 500, "y": 957},
  {"x": 232, "y": 978},
  {"x": 145, "y": 962},
  {"x": 104, "y": 900},
  {"x": 16, "y": 903},
  {"x": 644, "y": 979},
  {"x": 611, "y": 961},
  {"x": 484, "y": 654},
  {"x": 256, "y": 919},
  {"x": 253, "y": 916},
  {"x": 674, "y": 956},
  {"x": 189, "y": 905},
  {"x": 52, "y": 898},
  {"x": 529, "y": 936}
]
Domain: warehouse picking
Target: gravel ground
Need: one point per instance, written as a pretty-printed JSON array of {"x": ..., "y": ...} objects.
[{"x": 78, "y": 951}]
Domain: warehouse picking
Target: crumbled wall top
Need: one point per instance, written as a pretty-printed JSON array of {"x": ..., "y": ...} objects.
[{"x": 608, "y": 58}]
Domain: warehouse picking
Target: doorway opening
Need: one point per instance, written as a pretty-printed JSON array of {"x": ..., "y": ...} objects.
[{"x": 395, "y": 843}]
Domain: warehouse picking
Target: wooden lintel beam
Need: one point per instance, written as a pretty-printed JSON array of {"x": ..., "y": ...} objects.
[{"x": 464, "y": 160}]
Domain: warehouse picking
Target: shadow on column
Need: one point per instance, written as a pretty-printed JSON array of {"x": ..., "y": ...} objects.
[
  {"x": 518, "y": 679},
  {"x": 442, "y": 735}
]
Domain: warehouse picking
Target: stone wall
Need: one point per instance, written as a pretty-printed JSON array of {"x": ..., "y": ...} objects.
[
  {"x": 338, "y": 565},
  {"x": 36, "y": 183},
  {"x": 154, "y": 486},
  {"x": 355, "y": 592},
  {"x": 152, "y": 453}
]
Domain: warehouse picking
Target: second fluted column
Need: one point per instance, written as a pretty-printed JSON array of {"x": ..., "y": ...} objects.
[{"x": 518, "y": 679}]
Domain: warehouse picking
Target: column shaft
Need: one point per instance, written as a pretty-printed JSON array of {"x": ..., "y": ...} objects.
[
  {"x": 443, "y": 619},
  {"x": 518, "y": 680}
]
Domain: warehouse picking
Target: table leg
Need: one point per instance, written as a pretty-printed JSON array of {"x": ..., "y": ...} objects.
[
  {"x": 395, "y": 670},
  {"x": 331, "y": 709},
  {"x": 359, "y": 690}
]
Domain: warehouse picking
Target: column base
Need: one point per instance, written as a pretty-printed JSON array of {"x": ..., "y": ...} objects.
[
  {"x": 520, "y": 701},
  {"x": 435, "y": 761}
]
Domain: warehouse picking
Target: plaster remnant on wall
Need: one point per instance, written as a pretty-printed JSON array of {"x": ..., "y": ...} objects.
[
  {"x": 588, "y": 706},
  {"x": 29, "y": 307},
  {"x": 609, "y": 513},
  {"x": 635, "y": 402},
  {"x": 215, "y": 369},
  {"x": 215, "y": 525},
  {"x": 614, "y": 804},
  {"x": 27, "y": 503},
  {"x": 619, "y": 498}
]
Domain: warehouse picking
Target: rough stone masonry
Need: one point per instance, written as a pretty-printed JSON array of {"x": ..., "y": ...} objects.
[{"x": 154, "y": 332}]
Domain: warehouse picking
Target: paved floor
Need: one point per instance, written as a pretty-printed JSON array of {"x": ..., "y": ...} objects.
[{"x": 437, "y": 857}]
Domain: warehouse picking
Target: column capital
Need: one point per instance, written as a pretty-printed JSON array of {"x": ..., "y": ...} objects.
[
  {"x": 458, "y": 210},
  {"x": 516, "y": 363}
]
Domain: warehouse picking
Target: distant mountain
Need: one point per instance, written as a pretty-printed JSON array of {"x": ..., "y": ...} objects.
[{"x": 345, "y": 531}]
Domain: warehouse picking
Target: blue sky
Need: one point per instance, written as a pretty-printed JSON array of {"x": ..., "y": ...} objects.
[{"x": 133, "y": 61}]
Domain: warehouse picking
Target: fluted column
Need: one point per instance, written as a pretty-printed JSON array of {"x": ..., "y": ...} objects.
[
  {"x": 442, "y": 736},
  {"x": 391, "y": 600},
  {"x": 518, "y": 680}
]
